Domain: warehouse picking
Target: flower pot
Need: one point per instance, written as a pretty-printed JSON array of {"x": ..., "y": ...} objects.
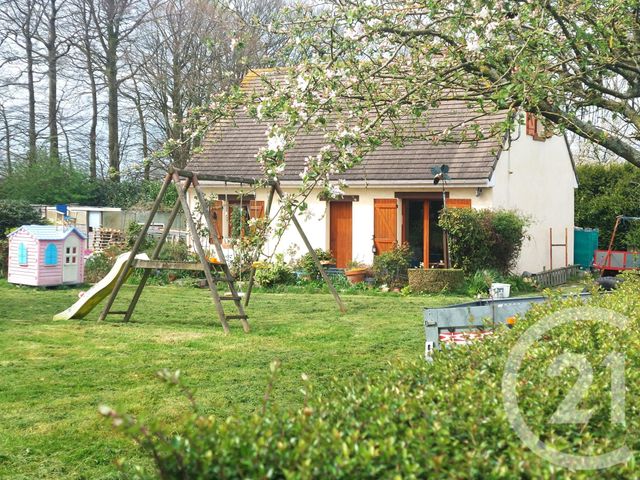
[{"x": 357, "y": 275}]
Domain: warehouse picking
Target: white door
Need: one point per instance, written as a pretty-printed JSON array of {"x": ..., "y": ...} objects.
[
  {"x": 95, "y": 220},
  {"x": 71, "y": 259}
]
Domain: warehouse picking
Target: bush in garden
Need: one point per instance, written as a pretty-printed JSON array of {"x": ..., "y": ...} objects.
[
  {"x": 275, "y": 273},
  {"x": 307, "y": 264},
  {"x": 4, "y": 257},
  {"x": 391, "y": 267},
  {"x": 441, "y": 419},
  {"x": 15, "y": 213},
  {"x": 96, "y": 267},
  {"x": 133, "y": 232},
  {"x": 484, "y": 239},
  {"x": 176, "y": 252},
  {"x": 99, "y": 263},
  {"x": 480, "y": 282}
]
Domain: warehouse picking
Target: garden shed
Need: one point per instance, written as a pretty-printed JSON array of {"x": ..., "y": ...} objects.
[{"x": 46, "y": 255}]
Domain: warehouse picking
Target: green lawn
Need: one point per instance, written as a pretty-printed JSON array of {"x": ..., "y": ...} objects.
[{"x": 55, "y": 374}]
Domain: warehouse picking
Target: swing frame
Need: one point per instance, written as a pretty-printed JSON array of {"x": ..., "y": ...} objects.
[
  {"x": 275, "y": 187},
  {"x": 214, "y": 272}
]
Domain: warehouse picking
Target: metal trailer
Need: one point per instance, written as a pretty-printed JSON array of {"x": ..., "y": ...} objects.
[{"x": 482, "y": 315}]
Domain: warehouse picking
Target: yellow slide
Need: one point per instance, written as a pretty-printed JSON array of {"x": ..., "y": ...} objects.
[{"x": 99, "y": 291}]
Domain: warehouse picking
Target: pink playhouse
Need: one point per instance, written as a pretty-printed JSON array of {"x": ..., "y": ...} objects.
[{"x": 46, "y": 255}]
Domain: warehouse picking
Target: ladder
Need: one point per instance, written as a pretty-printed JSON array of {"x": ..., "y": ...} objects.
[{"x": 215, "y": 272}]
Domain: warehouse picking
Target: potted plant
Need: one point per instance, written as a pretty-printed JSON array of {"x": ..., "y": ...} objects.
[{"x": 356, "y": 271}]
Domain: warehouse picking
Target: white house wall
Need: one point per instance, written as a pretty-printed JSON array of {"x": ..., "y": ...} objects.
[{"x": 537, "y": 179}]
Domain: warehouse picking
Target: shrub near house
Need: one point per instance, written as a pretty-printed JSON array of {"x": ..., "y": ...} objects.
[{"x": 481, "y": 239}]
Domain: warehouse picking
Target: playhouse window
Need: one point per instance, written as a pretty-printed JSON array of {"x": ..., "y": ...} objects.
[
  {"x": 51, "y": 255},
  {"x": 70, "y": 255},
  {"x": 23, "y": 256}
]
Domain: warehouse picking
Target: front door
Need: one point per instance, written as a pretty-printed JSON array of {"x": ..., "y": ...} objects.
[
  {"x": 71, "y": 259},
  {"x": 340, "y": 235},
  {"x": 422, "y": 232}
]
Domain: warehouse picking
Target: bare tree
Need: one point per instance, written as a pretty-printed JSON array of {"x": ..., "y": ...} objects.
[
  {"x": 6, "y": 138},
  {"x": 85, "y": 44},
  {"x": 192, "y": 49},
  {"x": 22, "y": 19},
  {"x": 115, "y": 23}
]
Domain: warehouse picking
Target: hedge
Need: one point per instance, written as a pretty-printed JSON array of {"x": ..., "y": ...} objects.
[
  {"x": 443, "y": 419},
  {"x": 435, "y": 280}
]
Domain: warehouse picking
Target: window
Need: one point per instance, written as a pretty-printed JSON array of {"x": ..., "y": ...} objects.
[
  {"x": 238, "y": 219},
  {"x": 51, "y": 255},
  {"x": 70, "y": 255},
  {"x": 23, "y": 254}
]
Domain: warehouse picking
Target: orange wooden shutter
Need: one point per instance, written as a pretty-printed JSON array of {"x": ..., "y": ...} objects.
[
  {"x": 531, "y": 125},
  {"x": 256, "y": 209},
  {"x": 385, "y": 223},
  {"x": 215, "y": 212},
  {"x": 458, "y": 203}
]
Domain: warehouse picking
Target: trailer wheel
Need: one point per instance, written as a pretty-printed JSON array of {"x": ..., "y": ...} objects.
[{"x": 608, "y": 283}]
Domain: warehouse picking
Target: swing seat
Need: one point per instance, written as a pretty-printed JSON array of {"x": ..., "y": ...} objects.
[{"x": 215, "y": 261}]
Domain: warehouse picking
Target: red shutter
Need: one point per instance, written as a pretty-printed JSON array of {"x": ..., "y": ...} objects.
[
  {"x": 532, "y": 125},
  {"x": 458, "y": 203},
  {"x": 385, "y": 223},
  {"x": 256, "y": 209},
  {"x": 215, "y": 212}
]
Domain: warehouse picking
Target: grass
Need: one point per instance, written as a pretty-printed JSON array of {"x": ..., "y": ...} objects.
[{"x": 56, "y": 374}]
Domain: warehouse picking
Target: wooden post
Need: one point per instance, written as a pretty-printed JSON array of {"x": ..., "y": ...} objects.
[
  {"x": 216, "y": 241},
  {"x": 566, "y": 247},
  {"x": 195, "y": 237},
  {"x": 252, "y": 275},
  {"x": 135, "y": 249},
  {"x": 312, "y": 252},
  {"x": 155, "y": 254},
  {"x": 550, "y": 248}
]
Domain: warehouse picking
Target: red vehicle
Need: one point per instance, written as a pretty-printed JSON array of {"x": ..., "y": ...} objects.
[{"x": 609, "y": 261}]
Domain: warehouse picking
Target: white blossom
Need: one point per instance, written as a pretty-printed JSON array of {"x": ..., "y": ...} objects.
[{"x": 276, "y": 142}]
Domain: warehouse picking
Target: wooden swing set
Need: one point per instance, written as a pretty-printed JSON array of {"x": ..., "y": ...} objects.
[{"x": 214, "y": 271}]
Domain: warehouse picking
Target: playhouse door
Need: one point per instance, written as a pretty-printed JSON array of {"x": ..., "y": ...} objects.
[{"x": 72, "y": 249}]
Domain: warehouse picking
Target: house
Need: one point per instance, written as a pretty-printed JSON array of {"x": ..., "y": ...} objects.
[
  {"x": 392, "y": 197},
  {"x": 46, "y": 255},
  {"x": 87, "y": 219}
]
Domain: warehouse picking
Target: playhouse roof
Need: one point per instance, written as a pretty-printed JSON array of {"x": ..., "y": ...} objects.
[{"x": 49, "y": 232}]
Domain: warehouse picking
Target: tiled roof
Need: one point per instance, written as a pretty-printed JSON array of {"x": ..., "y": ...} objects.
[
  {"x": 49, "y": 232},
  {"x": 231, "y": 148}
]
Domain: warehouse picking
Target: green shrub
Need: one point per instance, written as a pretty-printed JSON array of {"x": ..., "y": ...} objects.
[
  {"x": 15, "y": 213},
  {"x": 133, "y": 232},
  {"x": 435, "y": 280},
  {"x": 443, "y": 419},
  {"x": 480, "y": 282},
  {"x": 307, "y": 264},
  {"x": 99, "y": 263},
  {"x": 96, "y": 267},
  {"x": 4, "y": 257},
  {"x": 275, "y": 273},
  {"x": 176, "y": 252},
  {"x": 481, "y": 239},
  {"x": 391, "y": 267}
]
